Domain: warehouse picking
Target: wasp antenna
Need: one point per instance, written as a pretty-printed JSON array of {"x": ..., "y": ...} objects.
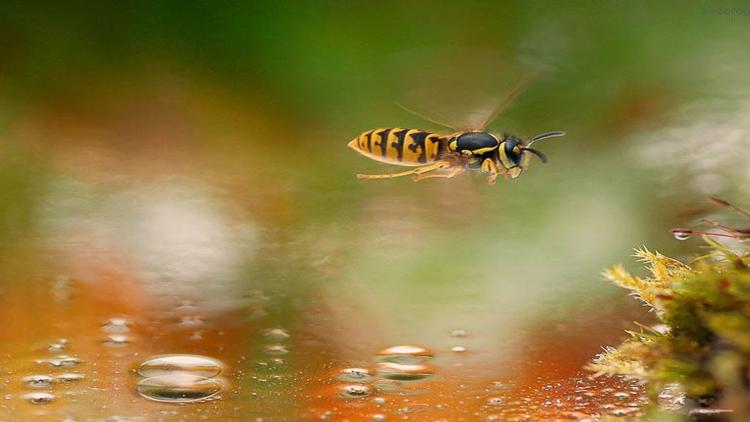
[
  {"x": 422, "y": 116},
  {"x": 537, "y": 153},
  {"x": 546, "y": 135}
]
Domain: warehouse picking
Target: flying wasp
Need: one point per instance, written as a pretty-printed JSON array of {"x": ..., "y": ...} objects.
[{"x": 446, "y": 155}]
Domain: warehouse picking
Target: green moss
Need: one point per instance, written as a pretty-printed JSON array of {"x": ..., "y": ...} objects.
[{"x": 703, "y": 343}]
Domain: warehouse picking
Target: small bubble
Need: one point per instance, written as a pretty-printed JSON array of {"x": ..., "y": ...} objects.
[
  {"x": 70, "y": 377},
  {"x": 60, "y": 361},
  {"x": 56, "y": 347},
  {"x": 378, "y": 400},
  {"x": 355, "y": 391},
  {"x": 379, "y": 417},
  {"x": 38, "y": 381},
  {"x": 458, "y": 333},
  {"x": 275, "y": 334},
  {"x": 168, "y": 364},
  {"x": 191, "y": 321},
  {"x": 275, "y": 349},
  {"x": 178, "y": 388},
  {"x": 621, "y": 395},
  {"x": 681, "y": 234},
  {"x": 354, "y": 374},
  {"x": 38, "y": 397},
  {"x": 116, "y": 325},
  {"x": 458, "y": 349},
  {"x": 116, "y": 340},
  {"x": 625, "y": 411},
  {"x": 494, "y": 401}
]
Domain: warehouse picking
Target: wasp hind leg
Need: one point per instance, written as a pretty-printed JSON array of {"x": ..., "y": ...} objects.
[
  {"x": 450, "y": 173},
  {"x": 417, "y": 171}
]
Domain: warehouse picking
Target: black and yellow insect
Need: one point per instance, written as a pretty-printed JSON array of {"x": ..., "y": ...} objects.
[{"x": 472, "y": 148}]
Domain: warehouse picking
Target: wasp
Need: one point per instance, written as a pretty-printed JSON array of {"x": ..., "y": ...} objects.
[{"x": 448, "y": 154}]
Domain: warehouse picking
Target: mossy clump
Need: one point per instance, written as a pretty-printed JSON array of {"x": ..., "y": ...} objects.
[{"x": 703, "y": 342}]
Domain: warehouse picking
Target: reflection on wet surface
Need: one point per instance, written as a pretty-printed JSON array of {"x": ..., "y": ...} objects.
[{"x": 245, "y": 288}]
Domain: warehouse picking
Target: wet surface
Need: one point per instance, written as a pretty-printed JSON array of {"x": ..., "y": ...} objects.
[{"x": 181, "y": 242}]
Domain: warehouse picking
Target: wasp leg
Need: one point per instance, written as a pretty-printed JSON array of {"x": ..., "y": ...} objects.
[
  {"x": 452, "y": 172},
  {"x": 489, "y": 166},
  {"x": 419, "y": 170}
]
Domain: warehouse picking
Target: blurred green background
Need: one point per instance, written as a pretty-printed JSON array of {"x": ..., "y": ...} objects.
[{"x": 199, "y": 148}]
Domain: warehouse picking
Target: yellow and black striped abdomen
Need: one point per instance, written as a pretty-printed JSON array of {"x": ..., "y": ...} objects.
[{"x": 407, "y": 147}]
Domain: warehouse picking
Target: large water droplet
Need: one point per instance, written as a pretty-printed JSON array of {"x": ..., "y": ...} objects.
[
  {"x": 38, "y": 381},
  {"x": 403, "y": 371},
  {"x": 38, "y": 397},
  {"x": 178, "y": 388},
  {"x": 681, "y": 234},
  {"x": 355, "y": 391},
  {"x": 196, "y": 365}
]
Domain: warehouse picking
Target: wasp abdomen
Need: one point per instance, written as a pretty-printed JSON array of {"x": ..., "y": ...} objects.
[{"x": 409, "y": 147}]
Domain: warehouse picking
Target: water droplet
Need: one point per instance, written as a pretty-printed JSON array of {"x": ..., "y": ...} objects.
[
  {"x": 275, "y": 334},
  {"x": 191, "y": 321},
  {"x": 116, "y": 340},
  {"x": 379, "y": 417},
  {"x": 275, "y": 349},
  {"x": 355, "y": 391},
  {"x": 70, "y": 377},
  {"x": 178, "y": 388},
  {"x": 60, "y": 361},
  {"x": 58, "y": 345},
  {"x": 354, "y": 374},
  {"x": 116, "y": 325},
  {"x": 458, "y": 333},
  {"x": 625, "y": 411},
  {"x": 38, "y": 397},
  {"x": 38, "y": 381},
  {"x": 494, "y": 401},
  {"x": 378, "y": 400},
  {"x": 621, "y": 395},
  {"x": 406, "y": 349},
  {"x": 681, "y": 234},
  {"x": 458, "y": 349},
  {"x": 403, "y": 371},
  {"x": 196, "y": 365}
]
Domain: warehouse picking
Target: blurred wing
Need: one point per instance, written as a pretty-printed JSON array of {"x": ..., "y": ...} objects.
[
  {"x": 440, "y": 122},
  {"x": 480, "y": 121}
]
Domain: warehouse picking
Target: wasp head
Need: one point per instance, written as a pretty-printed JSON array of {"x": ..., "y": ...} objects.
[{"x": 514, "y": 153}]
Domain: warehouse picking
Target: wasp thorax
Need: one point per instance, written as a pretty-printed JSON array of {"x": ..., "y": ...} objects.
[{"x": 474, "y": 143}]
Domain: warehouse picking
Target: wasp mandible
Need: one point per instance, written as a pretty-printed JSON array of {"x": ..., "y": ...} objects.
[{"x": 471, "y": 147}]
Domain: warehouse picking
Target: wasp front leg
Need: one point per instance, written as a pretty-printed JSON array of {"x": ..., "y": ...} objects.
[
  {"x": 490, "y": 166},
  {"x": 417, "y": 171}
]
